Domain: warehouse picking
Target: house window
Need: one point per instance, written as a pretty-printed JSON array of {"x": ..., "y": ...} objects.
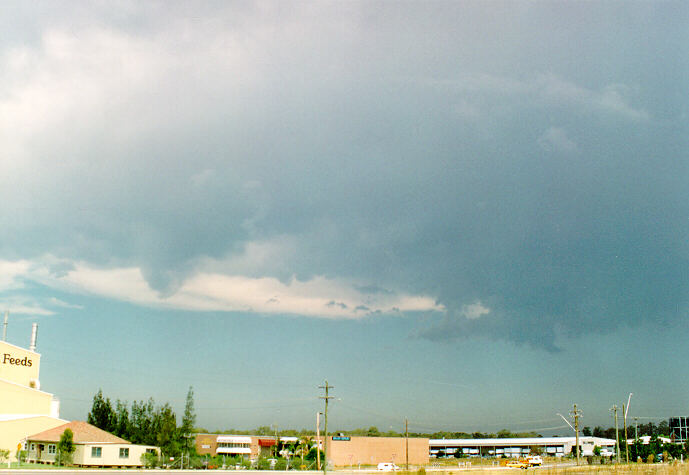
[
  {"x": 51, "y": 449},
  {"x": 96, "y": 452},
  {"x": 33, "y": 447},
  {"x": 124, "y": 452}
]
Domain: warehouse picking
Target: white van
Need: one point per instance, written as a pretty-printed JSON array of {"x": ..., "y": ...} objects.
[{"x": 387, "y": 467}]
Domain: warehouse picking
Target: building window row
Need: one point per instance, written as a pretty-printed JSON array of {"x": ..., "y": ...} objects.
[{"x": 233, "y": 445}]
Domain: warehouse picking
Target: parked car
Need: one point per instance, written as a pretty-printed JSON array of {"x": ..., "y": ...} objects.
[
  {"x": 534, "y": 460},
  {"x": 387, "y": 467},
  {"x": 517, "y": 464}
]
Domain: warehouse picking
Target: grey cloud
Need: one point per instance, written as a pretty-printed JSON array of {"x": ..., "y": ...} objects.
[{"x": 381, "y": 153}]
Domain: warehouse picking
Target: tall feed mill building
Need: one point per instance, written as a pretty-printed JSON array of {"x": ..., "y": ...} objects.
[{"x": 24, "y": 408}]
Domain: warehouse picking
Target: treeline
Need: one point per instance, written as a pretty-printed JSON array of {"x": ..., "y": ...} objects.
[
  {"x": 262, "y": 430},
  {"x": 501, "y": 434},
  {"x": 658, "y": 430},
  {"x": 651, "y": 429},
  {"x": 373, "y": 431},
  {"x": 145, "y": 423}
]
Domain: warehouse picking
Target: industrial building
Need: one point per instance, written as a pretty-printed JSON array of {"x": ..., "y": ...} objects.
[
  {"x": 354, "y": 451},
  {"x": 249, "y": 446},
  {"x": 30, "y": 418},
  {"x": 340, "y": 450},
  {"x": 517, "y": 447},
  {"x": 24, "y": 408}
]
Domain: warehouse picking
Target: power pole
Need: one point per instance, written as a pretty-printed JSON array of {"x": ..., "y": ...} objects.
[
  {"x": 636, "y": 428},
  {"x": 626, "y": 441},
  {"x": 617, "y": 437},
  {"x": 406, "y": 441},
  {"x": 318, "y": 441},
  {"x": 576, "y": 413},
  {"x": 326, "y": 398},
  {"x": 626, "y": 445}
]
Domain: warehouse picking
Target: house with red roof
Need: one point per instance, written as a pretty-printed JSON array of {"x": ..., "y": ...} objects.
[{"x": 94, "y": 447}]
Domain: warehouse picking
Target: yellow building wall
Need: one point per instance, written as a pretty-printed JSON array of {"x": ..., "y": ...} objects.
[
  {"x": 14, "y": 432},
  {"x": 18, "y": 365},
  {"x": 16, "y": 399}
]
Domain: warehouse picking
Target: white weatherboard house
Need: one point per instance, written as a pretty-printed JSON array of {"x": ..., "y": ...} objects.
[{"x": 94, "y": 447}]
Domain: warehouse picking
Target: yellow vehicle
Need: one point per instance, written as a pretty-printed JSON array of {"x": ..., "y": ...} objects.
[{"x": 517, "y": 464}]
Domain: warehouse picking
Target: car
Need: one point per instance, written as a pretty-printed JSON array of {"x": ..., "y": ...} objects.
[
  {"x": 387, "y": 467},
  {"x": 517, "y": 464},
  {"x": 534, "y": 460}
]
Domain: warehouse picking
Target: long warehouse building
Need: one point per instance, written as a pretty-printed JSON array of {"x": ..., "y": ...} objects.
[{"x": 517, "y": 447}]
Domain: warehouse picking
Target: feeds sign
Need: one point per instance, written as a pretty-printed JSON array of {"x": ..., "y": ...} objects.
[{"x": 9, "y": 360}]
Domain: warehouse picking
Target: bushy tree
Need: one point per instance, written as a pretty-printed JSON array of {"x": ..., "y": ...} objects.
[
  {"x": 66, "y": 447},
  {"x": 165, "y": 427},
  {"x": 4, "y": 455}
]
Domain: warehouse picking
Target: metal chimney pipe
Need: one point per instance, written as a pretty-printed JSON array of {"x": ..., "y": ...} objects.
[
  {"x": 4, "y": 328},
  {"x": 34, "y": 334}
]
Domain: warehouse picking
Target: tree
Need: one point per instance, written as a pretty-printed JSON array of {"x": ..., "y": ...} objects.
[
  {"x": 303, "y": 447},
  {"x": 102, "y": 415},
  {"x": 663, "y": 429},
  {"x": 122, "y": 424},
  {"x": 4, "y": 455},
  {"x": 188, "y": 421},
  {"x": 165, "y": 428},
  {"x": 66, "y": 447},
  {"x": 587, "y": 431},
  {"x": 141, "y": 423}
]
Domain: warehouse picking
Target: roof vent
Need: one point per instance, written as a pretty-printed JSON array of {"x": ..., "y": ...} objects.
[{"x": 34, "y": 335}]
